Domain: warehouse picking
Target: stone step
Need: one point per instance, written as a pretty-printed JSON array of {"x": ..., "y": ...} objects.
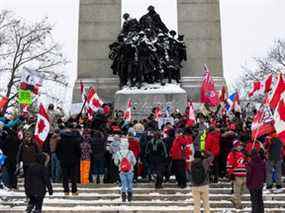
[
  {"x": 138, "y": 190},
  {"x": 136, "y": 185},
  {"x": 138, "y": 197},
  {"x": 133, "y": 209}
]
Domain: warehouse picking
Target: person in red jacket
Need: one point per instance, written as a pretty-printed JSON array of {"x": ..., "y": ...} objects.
[
  {"x": 178, "y": 155},
  {"x": 213, "y": 139},
  {"x": 236, "y": 168},
  {"x": 134, "y": 146}
]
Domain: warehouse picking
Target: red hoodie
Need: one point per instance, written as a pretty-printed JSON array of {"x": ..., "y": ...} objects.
[
  {"x": 134, "y": 145},
  {"x": 213, "y": 139}
]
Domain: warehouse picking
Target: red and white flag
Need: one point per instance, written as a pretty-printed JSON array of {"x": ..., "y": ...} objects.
[
  {"x": 42, "y": 126},
  {"x": 263, "y": 122},
  {"x": 93, "y": 100},
  {"x": 267, "y": 83},
  {"x": 208, "y": 94},
  {"x": 256, "y": 86},
  {"x": 157, "y": 113},
  {"x": 190, "y": 114},
  {"x": 31, "y": 80},
  {"x": 279, "y": 118},
  {"x": 128, "y": 112},
  {"x": 277, "y": 91},
  {"x": 82, "y": 91},
  {"x": 223, "y": 94}
]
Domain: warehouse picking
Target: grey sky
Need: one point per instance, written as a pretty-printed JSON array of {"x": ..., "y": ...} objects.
[{"x": 248, "y": 26}]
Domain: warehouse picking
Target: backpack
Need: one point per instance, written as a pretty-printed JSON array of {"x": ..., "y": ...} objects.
[
  {"x": 198, "y": 173},
  {"x": 125, "y": 164}
]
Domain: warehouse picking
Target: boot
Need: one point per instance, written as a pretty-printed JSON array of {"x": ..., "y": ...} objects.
[
  {"x": 101, "y": 177},
  {"x": 29, "y": 208},
  {"x": 98, "y": 179},
  {"x": 124, "y": 196},
  {"x": 130, "y": 196}
]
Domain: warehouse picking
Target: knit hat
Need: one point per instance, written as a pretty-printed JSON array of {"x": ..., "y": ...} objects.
[{"x": 236, "y": 143}]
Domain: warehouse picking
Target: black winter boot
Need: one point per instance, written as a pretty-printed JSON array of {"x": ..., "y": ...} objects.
[
  {"x": 124, "y": 196},
  {"x": 130, "y": 196}
]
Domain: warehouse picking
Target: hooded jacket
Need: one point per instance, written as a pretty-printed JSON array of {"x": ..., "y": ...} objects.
[
  {"x": 125, "y": 152},
  {"x": 37, "y": 178},
  {"x": 68, "y": 149}
]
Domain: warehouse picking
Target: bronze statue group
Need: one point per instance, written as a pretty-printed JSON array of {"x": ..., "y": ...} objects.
[{"x": 146, "y": 51}]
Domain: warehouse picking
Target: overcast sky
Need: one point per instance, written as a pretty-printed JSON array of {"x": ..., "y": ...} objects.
[{"x": 249, "y": 27}]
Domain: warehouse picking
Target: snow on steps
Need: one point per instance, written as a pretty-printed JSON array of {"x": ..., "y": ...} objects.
[{"x": 106, "y": 198}]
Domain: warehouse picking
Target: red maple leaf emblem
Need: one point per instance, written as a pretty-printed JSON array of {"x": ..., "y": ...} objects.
[
  {"x": 281, "y": 110},
  {"x": 41, "y": 126}
]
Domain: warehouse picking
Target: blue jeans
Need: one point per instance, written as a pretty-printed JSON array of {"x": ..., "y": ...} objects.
[
  {"x": 55, "y": 168},
  {"x": 127, "y": 181}
]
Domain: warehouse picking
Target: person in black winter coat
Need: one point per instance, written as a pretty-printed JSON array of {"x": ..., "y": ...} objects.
[
  {"x": 36, "y": 182},
  {"x": 157, "y": 155},
  {"x": 68, "y": 152},
  {"x": 98, "y": 144},
  {"x": 27, "y": 151},
  {"x": 10, "y": 148}
]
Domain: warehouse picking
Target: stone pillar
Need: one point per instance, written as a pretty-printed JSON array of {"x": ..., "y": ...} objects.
[
  {"x": 99, "y": 25},
  {"x": 199, "y": 21}
]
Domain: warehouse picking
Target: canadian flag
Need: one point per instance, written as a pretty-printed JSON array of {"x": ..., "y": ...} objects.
[
  {"x": 268, "y": 83},
  {"x": 82, "y": 92},
  {"x": 128, "y": 112},
  {"x": 93, "y": 100},
  {"x": 31, "y": 80},
  {"x": 208, "y": 93},
  {"x": 279, "y": 118},
  {"x": 277, "y": 91},
  {"x": 256, "y": 85},
  {"x": 190, "y": 114},
  {"x": 42, "y": 126},
  {"x": 263, "y": 122}
]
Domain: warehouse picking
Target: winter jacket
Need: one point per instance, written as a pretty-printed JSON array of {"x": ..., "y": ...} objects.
[
  {"x": 256, "y": 173},
  {"x": 98, "y": 143},
  {"x": 68, "y": 149},
  {"x": 236, "y": 163},
  {"x": 125, "y": 152},
  {"x": 156, "y": 150},
  {"x": 27, "y": 153},
  {"x": 213, "y": 142},
  {"x": 10, "y": 146},
  {"x": 178, "y": 149},
  {"x": 85, "y": 150},
  {"x": 53, "y": 141},
  {"x": 115, "y": 147},
  {"x": 206, "y": 164},
  {"x": 134, "y": 146},
  {"x": 37, "y": 180},
  {"x": 274, "y": 149}
]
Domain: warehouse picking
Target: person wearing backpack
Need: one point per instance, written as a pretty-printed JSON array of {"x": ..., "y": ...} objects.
[
  {"x": 200, "y": 180},
  {"x": 126, "y": 160}
]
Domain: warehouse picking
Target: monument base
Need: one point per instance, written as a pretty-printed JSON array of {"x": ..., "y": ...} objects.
[{"x": 150, "y": 96}]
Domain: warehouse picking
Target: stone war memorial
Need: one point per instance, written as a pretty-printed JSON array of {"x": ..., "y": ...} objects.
[{"x": 142, "y": 60}]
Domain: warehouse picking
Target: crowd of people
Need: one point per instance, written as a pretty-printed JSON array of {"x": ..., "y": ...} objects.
[{"x": 109, "y": 149}]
